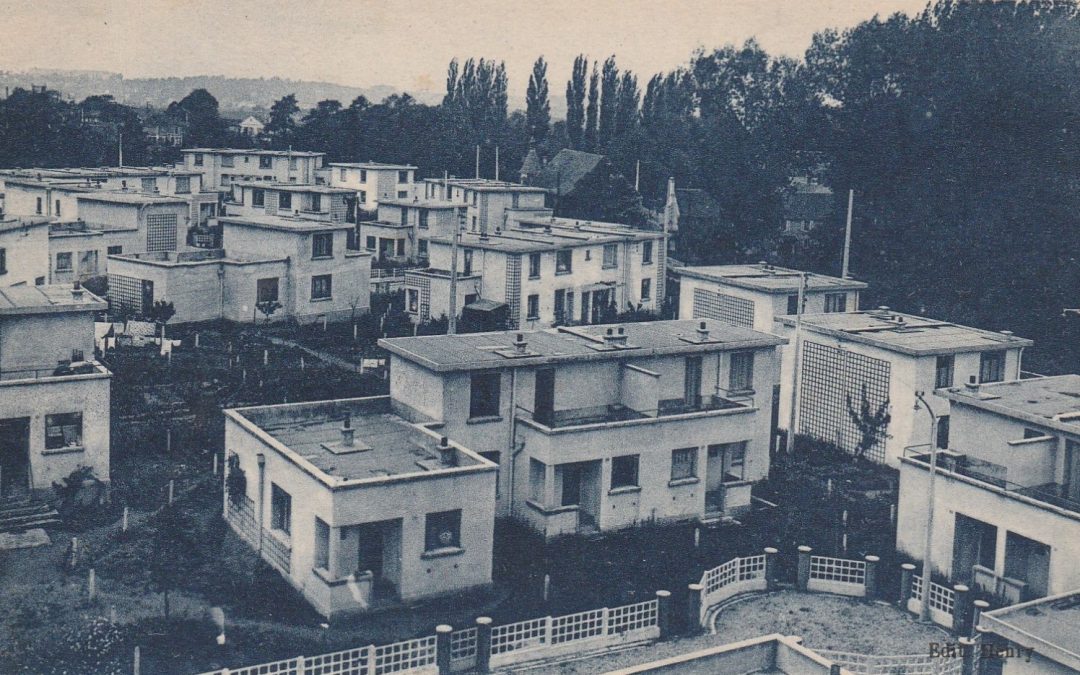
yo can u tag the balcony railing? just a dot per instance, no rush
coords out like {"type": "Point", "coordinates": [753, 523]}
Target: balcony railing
{"type": "Point", "coordinates": [993, 475]}
{"type": "Point", "coordinates": [63, 370]}
{"type": "Point", "coordinates": [616, 412]}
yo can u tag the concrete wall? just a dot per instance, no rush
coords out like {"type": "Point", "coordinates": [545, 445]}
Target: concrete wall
{"type": "Point", "coordinates": [42, 340]}
{"type": "Point", "coordinates": [27, 254]}
{"type": "Point", "coordinates": [78, 245]}
{"type": "Point", "coordinates": [767, 306]}
{"type": "Point", "coordinates": [247, 165]}
{"type": "Point", "coordinates": [34, 399]}
{"type": "Point", "coordinates": [993, 438]}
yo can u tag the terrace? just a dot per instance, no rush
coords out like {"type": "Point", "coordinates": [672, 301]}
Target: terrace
{"type": "Point", "coordinates": [618, 412]}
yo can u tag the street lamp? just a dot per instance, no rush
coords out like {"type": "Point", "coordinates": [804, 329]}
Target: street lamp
{"type": "Point", "coordinates": [924, 611]}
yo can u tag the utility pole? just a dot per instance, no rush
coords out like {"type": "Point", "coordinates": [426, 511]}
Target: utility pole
{"type": "Point", "coordinates": [924, 611]}
{"type": "Point", "coordinates": [496, 163]}
{"type": "Point", "coordinates": [847, 234]}
{"type": "Point", "coordinates": [121, 157]}
{"type": "Point", "coordinates": [451, 320]}
{"type": "Point", "coordinates": [637, 176]}
{"type": "Point", "coordinates": [796, 362]}
{"type": "Point", "coordinates": [478, 160]}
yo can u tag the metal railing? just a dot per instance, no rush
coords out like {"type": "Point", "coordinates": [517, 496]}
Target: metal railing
{"type": "Point", "coordinates": [617, 412]}
{"type": "Point", "coordinates": [910, 664]}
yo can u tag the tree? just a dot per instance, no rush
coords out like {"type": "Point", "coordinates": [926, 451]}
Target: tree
{"type": "Point", "coordinates": [537, 105]}
{"type": "Point", "coordinates": [267, 308]}
{"type": "Point", "coordinates": [175, 551]}
{"type": "Point", "coordinates": [575, 102]}
{"type": "Point", "coordinates": [589, 139]}
{"type": "Point", "coordinates": [609, 103]}
{"type": "Point", "coordinates": [282, 124]}
{"type": "Point", "coordinates": [160, 313]}
{"type": "Point", "coordinates": [872, 422]}
{"type": "Point", "coordinates": [199, 110]}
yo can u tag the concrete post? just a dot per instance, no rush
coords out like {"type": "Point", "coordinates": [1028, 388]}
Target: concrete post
{"type": "Point", "coordinates": [91, 584]}
{"type": "Point", "coordinates": [770, 568]}
{"type": "Point", "coordinates": [834, 669]}
{"type": "Point", "coordinates": [663, 613]}
{"type": "Point", "coordinates": [870, 581]}
{"type": "Point", "coordinates": [693, 608]}
{"type": "Point", "coordinates": [442, 647]}
{"type": "Point", "coordinates": [137, 662]}
{"type": "Point", "coordinates": [803, 577]}
{"type": "Point", "coordinates": [961, 610]}
{"type": "Point", "coordinates": [969, 653]}
{"type": "Point", "coordinates": [907, 572]}
{"type": "Point", "coordinates": [483, 644]}
{"type": "Point", "coordinates": [977, 608]}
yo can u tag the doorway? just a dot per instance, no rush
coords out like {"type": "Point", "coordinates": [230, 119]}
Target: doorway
{"type": "Point", "coordinates": [544, 396]}
{"type": "Point", "coordinates": [378, 551]}
{"type": "Point", "coordinates": [581, 488]}
{"type": "Point", "coordinates": [14, 456]}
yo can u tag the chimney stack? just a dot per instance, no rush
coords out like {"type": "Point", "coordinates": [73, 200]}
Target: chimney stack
{"type": "Point", "coordinates": [348, 434]}
{"type": "Point", "coordinates": [76, 291]}
{"type": "Point", "coordinates": [446, 452]}
{"type": "Point", "coordinates": [972, 384]}
{"type": "Point", "coordinates": [615, 336]}
{"type": "Point", "coordinates": [520, 345]}
{"type": "Point", "coordinates": [703, 331]}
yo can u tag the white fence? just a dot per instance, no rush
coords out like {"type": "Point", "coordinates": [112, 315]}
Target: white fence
{"type": "Point", "coordinates": [913, 664]}
{"type": "Point", "coordinates": [837, 575]}
{"type": "Point", "coordinates": [942, 601]}
{"type": "Point", "coordinates": [738, 575]}
{"type": "Point", "coordinates": [410, 656]}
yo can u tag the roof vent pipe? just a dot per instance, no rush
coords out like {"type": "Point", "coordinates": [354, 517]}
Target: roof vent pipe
{"type": "Point", "coordinates": [348, 434]}
{"type": "Point", "coordinates": [520, 344]}
{"type": "Point", "coordinates": [446, 452]}
{"type": "Point", "coordinates": [703, 331]}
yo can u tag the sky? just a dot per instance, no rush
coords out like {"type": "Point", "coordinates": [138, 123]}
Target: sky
{"type": "Point", "coordinates": [403, 44]}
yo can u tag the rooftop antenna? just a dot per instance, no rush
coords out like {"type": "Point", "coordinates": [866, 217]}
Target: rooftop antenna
{"type": "Point", "coordinates": [445, 185]}
{"type": "Point", "coordinates": [847, 234]}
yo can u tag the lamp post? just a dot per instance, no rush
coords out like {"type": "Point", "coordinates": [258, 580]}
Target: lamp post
{"type": "Point", "coordinates": [924, 611]}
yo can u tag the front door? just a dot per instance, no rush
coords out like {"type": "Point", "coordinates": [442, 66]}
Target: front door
{"type": "Point", "coordinates": [692, 381]}
{"type": "Point", "coordinates": [544, 396]}
{"type": "Point", "coordinates": [714, 480]}
{"type": "Point", "coordinates": [370, 552]}
{"type": "Point", "coordinates": [14, 456]}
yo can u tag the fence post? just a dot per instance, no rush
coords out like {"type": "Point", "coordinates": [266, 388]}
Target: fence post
{"type": "Point", "coordinates": [91, 584]}
{"type": "Point", "coordinates": [371, 667]}
{"type": "Point", "coordinates": [968, 649]}
{"type": "Point", "coordinates": [442, 647]}
{"type": "Point", "coordinates": [137, 661]}
{"type": "Point", "coordinates": [834, 669]}
{"type": "Point", "coordinates": [907, 573]}
{"type": "Point", "coordinates": [605, 619]}
{"type": "Point", "coordinates": [870, 582]}
{"type": "Point", "coordinates": [663, 613]}
{"type": "Point", "coordinates": [483, 644]}
{"type": "Point", "coordinates": [961, 610]}
{"type": "Point", "coordinates": [770, 568]}
{"type": "Point", "coordinates": [693, 608]}
{"type": "Point", "coordinates": [977, 608]}
{"type": "Point", "coordinates": [300, 664]}
{"type": "Point", "coordinates": [803, 577]}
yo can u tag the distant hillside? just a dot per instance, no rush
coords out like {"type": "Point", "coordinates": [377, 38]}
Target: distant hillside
{"type": "Point", "coordinates": [232, 93]}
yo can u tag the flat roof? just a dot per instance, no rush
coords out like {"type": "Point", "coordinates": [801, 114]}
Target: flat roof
{"type": "Point", "coordinates": [905, 333]}
{"type": "Point", "coordinates": [486, 185]}
{"type": "Point", "coordinates": [473, 351]}
{"type": "Point", "coordinates": [241, 151]}
{"type": "Point", "coordinates": [140, 198]}
{"type": "Point", "coordinates": [419, 201]}
{"type": "Point", "coordinates": [372, 165]}
{"type": "Point", "coordinates": [572, 227]}
{"type": "Point", "coordinates": [15, 223]}
{"type": "Point", "coordinates": [1050, 626]}
{"type": "Point", "coordinates": [285, 223]}
{"type": "Point", "coordinates": [768, 278]}
{"type": "Point", "coordinates": [101, 172]}
{"type": "Point", "coordinates": [48, 299]}
{"type": "Point", "coordinates": [200, 257]}
{"type": "Point", "coordinates": [385, 444]}
{"type": "Point", "coordinates": [294, 187]}
{"type": "Point", "coordinates": [515, 240]}
{"type": "Point", "coordinates": [1048, 401]}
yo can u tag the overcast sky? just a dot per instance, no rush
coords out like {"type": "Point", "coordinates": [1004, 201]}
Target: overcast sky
{"type": "Point", "coordinates": [403, 44]}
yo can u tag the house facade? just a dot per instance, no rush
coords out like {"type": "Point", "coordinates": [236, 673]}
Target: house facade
{"type": "Point", "coordinates": [403, 228]}
{"type": "Point", "coordinates": [876, 360]}
{"type": "Point", "coordinates": [601, 427]}
{"type": "Point", "coordinates": [487, 201]}
{"type": "Point", "coordinates": [752, 296]}
{"type": "Point", "coordinates": [54, 397]}
{"type": "Point", "coordinates": [220, 167]}
{"type": "Point", "coordinates": [356, 506]}
{"type": "Point", "coordinates": [24, 251]}
{"type": "Point", "coordinates": [1007, 497]}
{"type": "Point", "coordinates": [312, 202]}
{"type": "Point", "coordinates": [372, 182]}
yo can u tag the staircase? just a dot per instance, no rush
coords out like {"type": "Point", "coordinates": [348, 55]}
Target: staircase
{"type": "Point", "coordinates": [20, 513]}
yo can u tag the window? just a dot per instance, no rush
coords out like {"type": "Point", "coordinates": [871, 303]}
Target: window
{"type": "Point", "coordinates": [320, 287]}
{"type": "Point", "coordinates": [401, 247]}
{"type": "Point", "coordinates": [265, 162]}
{"type": "Point", "coordinates": [423, 219]}
{"type": "Point", "coordinates": [363, 177]}
{"type": "Point", "coordinates": [316, 202]}
{"type": "Point", "coordinates": [414, 299]}
{"type": "Point", "coordinates": [564, 261]}
{"type": "Point", "coordinates": [403, 176]}
{"type": "Point", "coordinates": [991, 366]}
{"type": "Point", "coordinates": [227, 160]}
{"type": "Point", "coordinates": [361, 197]}
{"type": "Point", "coordinates": [63, 431]}
{"type": "Point", "coordinates": [284, 200]}
{"type": "Point", "coordinates": [683, 463]}
{"type": "Point", "coordinates": [342, 173]}
{"type": "Point", "coordinates": [646, 253]}
{"type": "Point", "coordinates": [57, 212]}
{"type": "Point", "coordinates": [442, 530]}
{"type": "Point", "coordinates": [183, 185]}
{"type": "Point", "coordinates": [533, 307]}
{"type": "Point", "coordinates": [369, 243]}
{"type": "Point", "coordinates": [38, 209]}
{"type": "Point", "coordinates": [836, 302]}
{"type": "Point", "coordinates": [39, 281]}
{"type": "Point", "coordinates": [266, 290]}
{"type": "Point", "coordinates": [534, 265]}
{"type": "Point", "coordinates": [280, 509]}
{"type": "Point", "coordinates": [537, 480]}
{"type": "Point", "coordinates": [403, 194]}
{"type": "Point", "coordinates": [148, 184]}
{"type": "Point", "coordinates": [944, 376]}
{"type": "Point", "coordinates": [292, 162]}
{"type": "Point", "coordinates": [63, 262]}
{"type": "Point", "coordinates": [258, 197]}
{"type": "Point", "coordinates": [741, 377]}
{"type": "Point", "coordinates": [421, 248]}
{"type": "Point", "coordinates": [624, 471]}
{"type": "Point", "coordinates": [467, 254]}
{"type": "Point", "coordinates": [474, 223]}
{"type": "Point", "coordinates": [793, 304]}
{"type": "Point", "coordinates": [560, 306]}
{"type": "Point", "coordinates": [322, 545]}
{"type": "Point", "coordinates": [611, 255]}
{"type": "Point", "coordinates": [484, 395]}
{"type": "Point", "coordinates": [198, 160]}
{"type": "Point", "coordinates": [3, 261]}
{"type": "Point", "coordinates": [943, 432]}
{"type": "Point", "coordinates": [646, 290]}
{"type": "Point", "coordinates": [322, 245]}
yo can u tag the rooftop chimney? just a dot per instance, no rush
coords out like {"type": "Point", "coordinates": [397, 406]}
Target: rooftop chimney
{"type": "Point", "coordinates": [348, 434]}
{"type": "Point", "coordinates": [972, 383]}
{"type": "Point", "coordinates": [1008, 333]}
{"type": "Point", "coordinates": [615, 336]}
{"type": "Point", "coordinates": [76, 291]}
{"type": "Point", "coordinates": [520, 344]}
{"type": "Point", "coordinates": [703, 331]}
{"type": "Point", "coordinates": [763, 264]}
{"type": "Point", "coordinates": [446, 452]}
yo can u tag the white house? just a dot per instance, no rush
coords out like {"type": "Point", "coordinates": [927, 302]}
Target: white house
{"type": "Point", "coordinates": [251, 126]}
{"type": "Point", "coordinates": [601, 427]}
{"type": "Point", "coordinates": [1007, 495]}
{"type": "Point", "coordinates": [219, 167]}
{"type": "Point", "coordinates": [24, 250]}
{"type": "Point", "coordinates": [372, 182]}
{"type": "Point", "coordinates": [884, 357]}
{"type": "Point", "coordinates": [487, 201]}
{"type": "Point", "coordinates": [1040, 635]}
{"type": "Point", "coordinates": [312, 202]}
{"type": "Point", "coordinates": [356, 506]}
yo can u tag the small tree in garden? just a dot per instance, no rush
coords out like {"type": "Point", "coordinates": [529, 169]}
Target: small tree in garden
{"type": "Point", "coordinates": [872, 423]}
{"type": "Point", "coordinates": [160, 313]}
{"type": "Point", "coordinates": [267, 308]}
{"type": "Point", "coordinates": [174, 551]}
{"type": "Point", "coordinates": [236, 484]}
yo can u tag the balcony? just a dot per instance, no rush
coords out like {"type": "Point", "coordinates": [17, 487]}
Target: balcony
{"type": "Point", "coordinates": [993, 476]}
{"type": "Point", "coordinates": [617, 412]}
